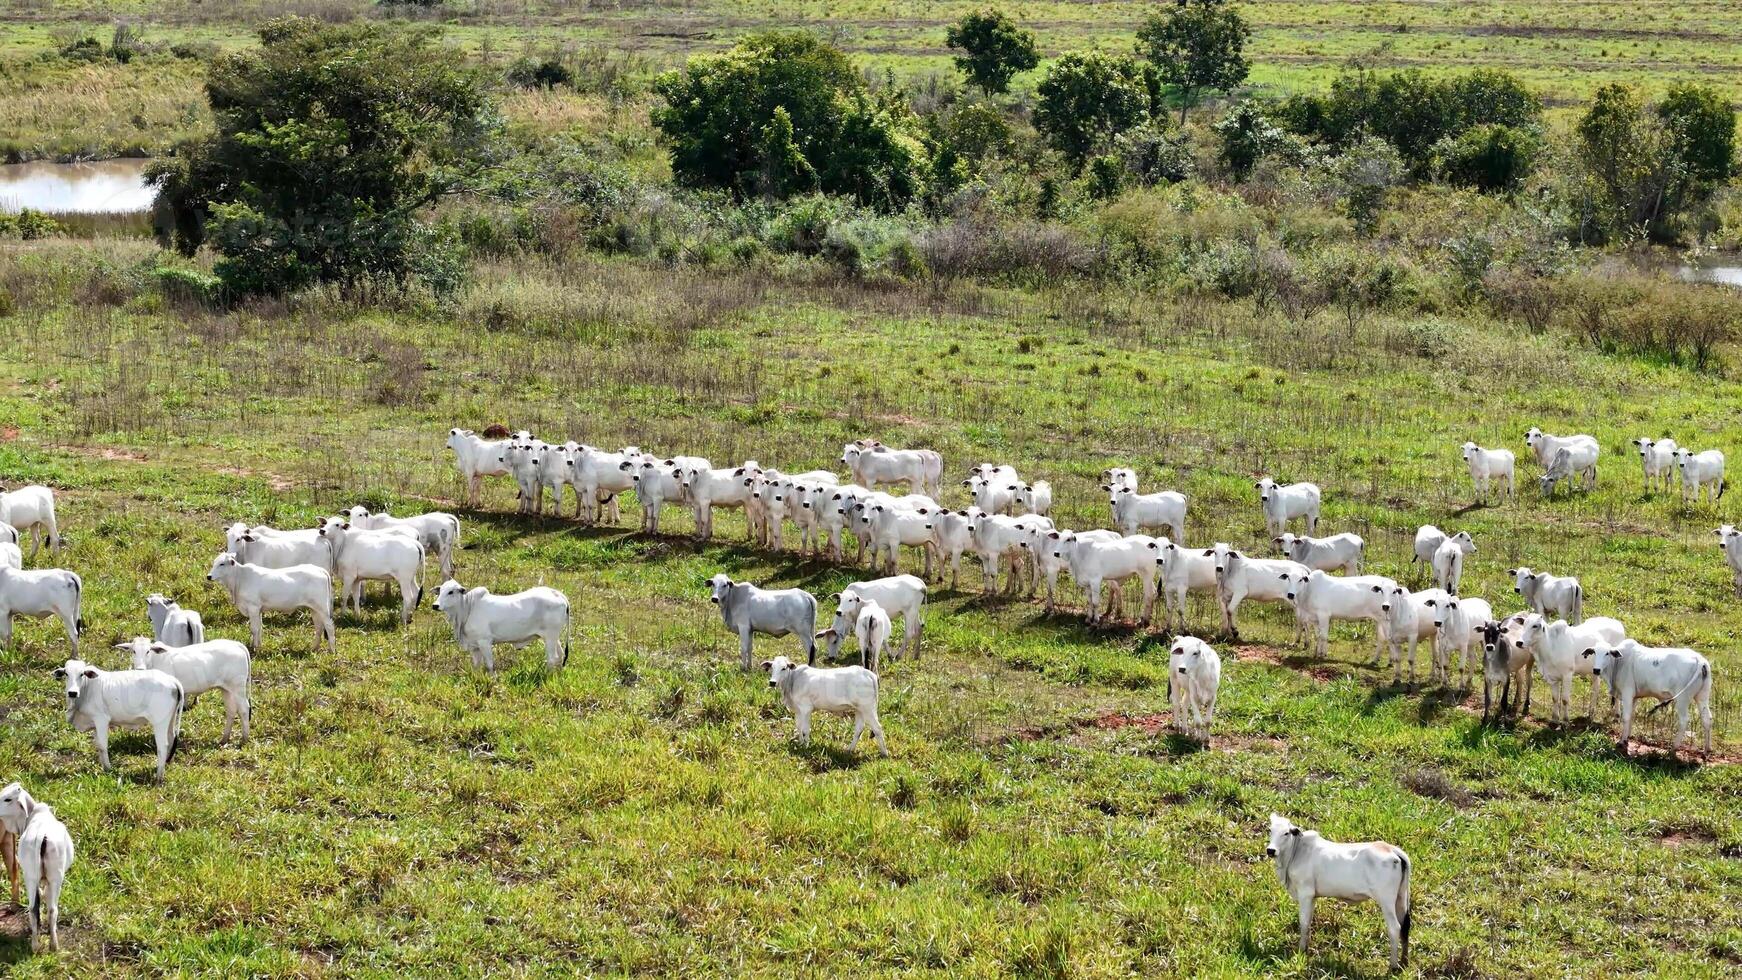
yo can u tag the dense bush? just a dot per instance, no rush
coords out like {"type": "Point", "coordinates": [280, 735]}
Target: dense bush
{"type": "Point", "coordinates": [1652, 170]}
{"type": "Point", "coordinates": [1490, 157]}
{"type": "Point", "coordinates": [1087, 100]}
{"type": "Point", "coordinates": [994, 50]}
{"type": "Point", "coordinates": [1409, 110]}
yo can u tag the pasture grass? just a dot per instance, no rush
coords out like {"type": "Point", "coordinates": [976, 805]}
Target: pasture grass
{"type": "Point", "coordinates": [644, 810]}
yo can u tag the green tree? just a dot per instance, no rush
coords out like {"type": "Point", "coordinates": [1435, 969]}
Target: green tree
{"type": "Point", "coordinates": [1632, 158]}
{"type": "Point", "coordinates": [1247, 136]}
{"type": "Point", "coordinates": [1702, 125]}
{"type": "Point", "coordinates": [993, 49]}
{"type": "Point", "coordinates": [1490, 157]}
{"type": "Point", "coordinates": [1197, 45]}
{"type": "Point", "coordinates": [785, 171]}
{"type": "Point", "coordinates": [718, 111]}
{"type": "Point", "coordinates": [329, 141]}
{"type": "Point", "coordinates": [1410, 110]}
{"type": "Point", "coordinates": [1087, 100]}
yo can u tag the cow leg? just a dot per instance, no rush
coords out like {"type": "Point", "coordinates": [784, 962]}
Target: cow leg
{"type": "Point", "coordinates": [254, 617]}
{"type": "Point", "coordinates": [803, 721]}
{"type": "Point", "coordinates": [100, 736]}
{"type": "Point", "coordinates": [1306, 922]}
{"type": "Point", "coordinates": [858, 728]}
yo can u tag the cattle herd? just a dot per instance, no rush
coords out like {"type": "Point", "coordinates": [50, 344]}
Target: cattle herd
{"type": "Point", "coordinates": [1006, 527]}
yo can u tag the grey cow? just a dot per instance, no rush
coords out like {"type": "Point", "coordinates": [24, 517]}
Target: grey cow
{"type": "Point", "coordinates": [746, 610]}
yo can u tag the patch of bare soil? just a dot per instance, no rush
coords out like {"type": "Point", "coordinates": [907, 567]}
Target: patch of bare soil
{"type": "Point", "coordinates": [1152, 724]}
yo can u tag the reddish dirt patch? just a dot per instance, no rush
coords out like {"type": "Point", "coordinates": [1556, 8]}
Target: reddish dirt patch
{"type": "Point", "coordinates": [273, 480]}
{"type": "Point", "coordinates": [1638, 750]}
{"type": "Point", "coordinates": [8, 433]}
{"type": "Point", "coordinates": [1153, 724]}
{"type": "Point", "coordinates": [13, 924]}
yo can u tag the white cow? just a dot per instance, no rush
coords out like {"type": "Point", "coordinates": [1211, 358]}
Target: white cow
{"type": "Point", "coordinates": [476, 458]}
{"type": "Point", "coordinates": [1448, 561]}
{"type": "Point", "coordinates": [953, 534]}
{"type": "Point", "coordinates": [655, 484]}
{"type": "Point", "coordinates": [1284, 503]}
{"type": "Point", "coordinates": [746, 610]}
{"type": "Point", "coordinates": [1730, 541]}
{"type": "Point", "coordinates": [1701, 471]}
{"type": "Point", "coordinates": [994, 473]}
{"type": "Point", "coordinates": [31, 509]}
{"type": "Point", "coordinates": [98, 700]}
{"type": "Point", "coordinates": [1458, 629]}
{"type": "Point", "coordinates": [1412, 617]}
{"type": "Point", "coordinates": [870, 627]}
{"type": "Point", "coordinates": [1134, 512]}
{"type": "Point", "coordinates": [708, 489]}
{"type": "Point", "coordinates": [1311, 868]}
{"type": "Point", "coordinates": [1035, 498]}
{"type": "Point", "coordinates": [481, 620]}
{"type": "Point", "coordinates": [271, 547]}
{"type": "Point", "coordinates": [1184, 570]}
{"type": "Point", "coordinates": [1194, 676]}
{"type": "Point", "coordinates": [1428, 539]}
{"type": "Point", "coordinates": [992, 497]}
{"type": "Point", "coordinates": [46, 855]}
{"type": "Point", "coordinates": [1118, 476]}
{"type": "Point", "coordinates": [215, 665]}
{"type": "Point", "coordinates": [1545, 593]}
{"type": "Point", "coordinates": [524, 460]}
{"type": "Point", "coordinates": [833, 691]}
{"type": "Point", "coordinates": [10, 555]}
{"type": "Point", "coordinates": [439, 531]}
{"type": "Point", "coordinates": [1239, 578]}
{"type": "Point", "coordinates": [372, 556]}
{"type": "Point", "coordinates": [37, 593]}
{"type": "Point", "coordinates": [1582, 453]}
{"type": "Point", "coordinates": [1491, 465]}
{"type": "Point", "coordinates": [1505, 659]}
{"type": "Point", "coordinates": [1657, 460]}
{"type": "Point", "coordinates": [1671, 674]}
{"type": "Point", "coordinates": [1093, 561]}
{"type": "Point", "coordinates": [1320, 598]}
{"type": "Point", "coordinates": [255, 590]}
{"type": "Point", "coordinates": [600, 479]}
{"type": "Point", "coordinates": [889, 527]}
{"type": "Point", "coordinates": [1050, 549]}
{"type": "Point", "coordinates": [1569, 461]}
{"type": "Point", "coordinates": [898, 595]}
{"type": "Point", "coordinates": [1344, 551]}
{"type": "Point", "coordinates": [1558, 649]}
{"type": "Point", "coordinates": [556, 470]}
{"type": "Point", "coordinates": [1000, 536]}
{"type": "Point", "coordinates": [874, 464]}
{"type": "Point", "coordinates": [172, 625]}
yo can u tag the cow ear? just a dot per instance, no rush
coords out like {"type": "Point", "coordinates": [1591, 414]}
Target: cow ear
{"type": "Point", "coordinates": [767, 664]}
{"type": "Point", "coordinates": [1294, 831]}
{"type": "Point", "coordinates": [60, 673]}
{"type": "Point", "coordinates": [1209, 553]}
{"type": "Point", "coordinates": [922, 510]}
{"type": "Point", "coordinates": [90, 673]}
{"type": "Point", "coordinates": [249, 538]}
{"type": "Point", "coordinates": [1376, 588]}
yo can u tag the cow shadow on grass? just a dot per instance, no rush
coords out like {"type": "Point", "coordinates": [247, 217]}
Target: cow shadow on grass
{"type": "Point", "coordinates": [825, 756]}
{"type": "Point", "coordinates": [1274, 952]}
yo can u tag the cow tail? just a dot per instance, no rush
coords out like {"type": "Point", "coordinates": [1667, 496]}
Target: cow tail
{"type": "Point", "coordinates": [1702, 677]}
{"type": "Point", "coordinates": [1404, 908]}
{"type": "Point", "coordinates": [1722, 483]}
{"type": "Point", "coordinates": [1579, 602]}
{"type": "Point", "coordinates": [79, 595]}
{"type": "Point", "coordinates": [175, 726]}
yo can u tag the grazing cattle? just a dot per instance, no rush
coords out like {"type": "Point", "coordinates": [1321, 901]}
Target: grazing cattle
{"type": "Point", "coordinates": [1411, 617]}
{"type": "Point", "coordinates": [599, 479]}
{"type": "Point", "coordinates": [1558, 650]}
{"type": "Point", "coordinates": [1320, 598]}
{"type": "Point", "coordinates": [172, 625]}
{"type": "Point", "coordinates": [1567, 462]}
{"type": "Point", "coordinates": [39, 593]}
{"type": "Point", "coordinates": [655, 484]}
{"type": "Point", "coordinates": [481, 620]}
{"type": "Point", "coordinates": [898, 595]}
{"type": "Point", "coordinates": [1035, 498]}
{"type": "Point", "coordinates": [41, 853]}
{"type": "Point", "coordinates": [889, 527]}
{"type": "Point", "coordinates": [1545, 593]}
{"type": "Point", "coordinates": [524, 460]}
{"type": "Point", "coordinates": [1491, 465]}
{"type": "Point", "coordinates": [1657, 457]}
{"type": "Point", "coordinates": [1427, 541]}
{"type": "Point", "coordinates": [870, 627]}
{"type": "Point", "coordinates": [999, 536]}
{"type": "Point", "coordinates": [1194, 675]}
{"type": "Point", "coordinates": [1184, 570]}
{"type": "Point", "coordinates": [214, 665]}
{"type": "Point", "coordinates": [476, 458]}
{"type": "Point", "coordinates": [1458, 629]}
{"type": "Point", "coordinates": [833, 691]}
{"type": "Point", "coordinates": [1135, 512]}
{"type": "Point", "coordinates": [1448, 561]}
{"type": "Point", "coordinates": [992, 497]}
{"type": "Point", "coordinates": [1094, 560]}
{"type": "Point", "coordinates": [1344, 551]}
{"type": "Point", "coordinates": [1505, 658]}
{"type": "Point", "coordinates": [1582, 452]}
{"type": "Point", "coordinates": [1118, 476]}
{"type": "Point", "coordinates": [255, 591]}
{"type": "Point", "coordinates": [952, 535]}
{"type": "Point", "coordinates": [1311, 868]}
{"type": "Point", "coordinates": [270, 547]}
{"type": "Point", "coordinates": [555, 471]}
{"type": "Point", "coordinates": [874, 464]}
{"type": "Point", "coordinates": [747, 610]}
{"type": "Point", "coordinates": [1239, 578]}
{"type": "Point", "coordinates": [373, 556]}
{"type": "Point", "coordinates": [1730, 540]}
{"type": "Point", "coordinates": [438, 531]}
{"type": "Point", "coordinates": [1282, 504]}
{"type": "Point", "coordinates": [31, 509]}
{"type": "Point", "coordinates": [98, 700]}
{"type": "Point", "coordinates": [1673, 675]}
{"type": "Point", "coordinates": [1050, 549]}
{"type": "Point", "coordinates": [711, 488]}
{"type": "Point", "coordinates": [1701, 471]}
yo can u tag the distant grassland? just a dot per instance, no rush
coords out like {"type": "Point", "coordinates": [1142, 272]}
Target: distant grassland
{"type": "Point", "coordinates": [1565, 50]}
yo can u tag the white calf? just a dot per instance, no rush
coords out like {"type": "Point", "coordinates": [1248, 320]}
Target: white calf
{"type": "Point", "coordinates": [1427, 541]}
{"type": "Point", "coordinates": [270, 547]}
{"type": "Point", "coordinates": [524, 460]}
{"type": "Point", "coordinates": [1240, 578]}
{"type": "Point", "coordinates": [255, 591]}
{"type": "Point", "coordinates": [1184, 570]}
{"type": "Point", "coordinates": [600, 479]}
{"type": "Point", "coordinates": [1311, 868]}
{"type": "Point", "coordinates": [1505, 659]}
{"type": "Point", "coordinates": [1114, 478]}
{"type": "Point", "coordinates": [1491, 465]}
{"type": "Point", "coordinates": [476, 458]}
{"type": "Point", "coordinates": [1569, 461]}
{"type": "Point", "coordinates": [1558, 650]}
{"type": "Point", "coordinates": [953, 534]}
{"type": "Point", "coordinates": [217, 665]}
{"type": "Point", "coordinates": [1343, 551]}
{"type": "Point", "coordinates": [877, 465]}
{"type": "Point", "coordinates": [999, 536]}
{"type": "Point", "coordinates": [481, 620]}
{"type": "Point", "coordinates": [1035, 498]}
{"type": "Point", "coordinates": [98, 700]}
{"type": "Point", "coordinates": [1671, 674]}
{"type": "Point", "coordinates": [1448, 561]}
{"type": "Point", "coordinates": [746, 610]}
{"type": "Point", "coordinates": [172, 625]}
{"type": "Point", "coordinates": [1459, 628]}
{"type": "Point", "coordinates": [898, 595]}
{"type": "Point", "coordinates": [1134, 512]}
{"type": "Point", "coordinates": [1093, 560]}
{"type": "Point", "coordinates": [1411, 617]}
{"type": "Point", "coordinates": [31, 509]}
{"type": "Point", "coordinates": [37, 593]}
{"type": "Point", "coordinates": [871, 628]}
{"type": "Point", "coordinates": [833, 691]}
{"type": "Point", "coordinates": [992, 497]}
{"type": "Point", "coordinates": [439, 531]}
{"type": "Point", "coordinates": [1545, 593]}
{"type": "Point", "coordinates": [1701, 471]}
{"type": "Point", "coordinates": [1582, 452]}
{"type": "Point", "coordinates": [889, 527]}
{"type": "Point", "coordinates": [711, 488]}
{"type": "Point", "coordinates": [373, 556]}
{"type": "Point", "coordinates": [654, 485]}
{"type": "Point", "coordinates": [1730, 541]}
{"type": "Point", "coordinates": [1194, 675]}
{"type": "Point", "coordinates": [1320, 598]}
{"type": "Point", "coordinates": [1282, 504]}
{"type": "Point", "coordinates": [47, 855]}
{"type": "Point", "coordinates": [1050, 549]}
{"type": "Point", "coordinates": [1657, 460]}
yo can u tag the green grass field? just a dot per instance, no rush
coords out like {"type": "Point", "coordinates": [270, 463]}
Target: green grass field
{"type": "Point", "coordinates": [644, 810]}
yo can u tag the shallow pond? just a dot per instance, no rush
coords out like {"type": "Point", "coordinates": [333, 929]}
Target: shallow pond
{"type": "Point", "coordinates": [75, 188]}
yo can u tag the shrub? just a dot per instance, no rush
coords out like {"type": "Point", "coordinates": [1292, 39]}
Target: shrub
{"type": "Point", "coordinates": [1248, 136]}
{"type": "Point", "coordinates": [1088, 99]}
{"type": "Point", "coordinates": [190, 286]}
{"type": "Point", "coordinates": [1490, 157]}
{"type": "Point", "coordinates": [993, 49]}
{"type": "Point", "coordinates": [29, 225]}
{"type": "Point", "coordinates": [1410, 110]}
{"type": "Point", "coordinates": [1153, 154]}
{"type": "Point", "coordinates": [545, 73]}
